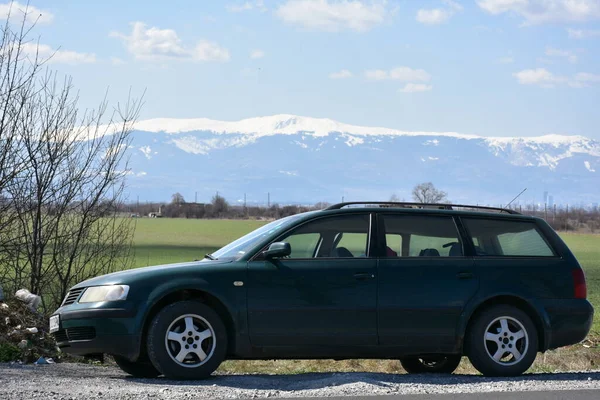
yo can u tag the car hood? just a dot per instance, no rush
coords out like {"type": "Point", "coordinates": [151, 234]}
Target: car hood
{"type": "Point", "coordinates": [139, 274]}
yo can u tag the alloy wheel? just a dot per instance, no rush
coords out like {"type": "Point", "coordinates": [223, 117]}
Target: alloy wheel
{"type": "Point", "coordinates": [190, 340]}
{"type": "Point", "coordinates": [506, 340]}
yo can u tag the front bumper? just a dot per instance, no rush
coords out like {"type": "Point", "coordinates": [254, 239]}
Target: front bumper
{"type": "Point", "coordinates": [570, 321]}
{"type": "Point", "coordinates": [86, 331]}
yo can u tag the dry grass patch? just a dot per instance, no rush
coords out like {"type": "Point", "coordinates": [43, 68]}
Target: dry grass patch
{"type": "Point", "coordinates": [579, 357]}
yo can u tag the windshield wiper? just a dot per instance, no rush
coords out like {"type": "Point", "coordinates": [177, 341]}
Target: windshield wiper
{"type": "Point", "coordinates": [210, 257]}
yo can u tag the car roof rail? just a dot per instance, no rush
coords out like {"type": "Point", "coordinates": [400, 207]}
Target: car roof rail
{"type": "Point", "coordinates": [439, 206]}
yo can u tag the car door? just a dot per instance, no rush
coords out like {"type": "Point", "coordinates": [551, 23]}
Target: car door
{"type": "Point", "coordinates": [323, 294]}
{"type": "Point", "coordinates": [424, 281]}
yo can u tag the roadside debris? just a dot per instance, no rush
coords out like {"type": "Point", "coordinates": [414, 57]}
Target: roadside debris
{"type": "Point", "coordinates": [32, 300]}
{"type": "Point", "coordinates": [44, 361]}
{"type": "Point", "coordinates": [24, 333]}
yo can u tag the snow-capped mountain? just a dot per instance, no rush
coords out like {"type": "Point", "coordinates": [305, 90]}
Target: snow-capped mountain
{"type": "Point", "coordinates": [301, 159]}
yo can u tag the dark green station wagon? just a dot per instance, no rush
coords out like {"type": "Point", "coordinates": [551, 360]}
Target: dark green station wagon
{"type": "Point", "coordinates": [421, 283]}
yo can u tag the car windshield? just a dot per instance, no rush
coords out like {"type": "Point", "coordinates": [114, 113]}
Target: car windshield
{"type": "Point", "coordinates": [238, 248]}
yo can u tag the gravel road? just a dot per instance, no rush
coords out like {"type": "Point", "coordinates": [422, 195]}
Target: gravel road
{"type": "Point", "coordinates": [78, 381]}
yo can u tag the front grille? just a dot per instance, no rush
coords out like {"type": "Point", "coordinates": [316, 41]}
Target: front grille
{"type": "Point", "coordinates": [61, 336]}
{"type": "Point", "coordinates": [76, 333]}
{"type": "Point", "coordinates": [81, 333]}
{"type": "Point", "coordinates": [72, 296]}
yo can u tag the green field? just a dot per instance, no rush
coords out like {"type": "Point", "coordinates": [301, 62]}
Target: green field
{"type": "Point", "coordinates": [163, 241]}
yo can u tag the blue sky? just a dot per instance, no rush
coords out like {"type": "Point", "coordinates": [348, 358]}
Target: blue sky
{"type": "Point", "coordinates": [486, 67]}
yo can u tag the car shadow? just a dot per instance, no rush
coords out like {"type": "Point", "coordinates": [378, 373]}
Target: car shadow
{"type": "Point", "coordinates": [308, 381]}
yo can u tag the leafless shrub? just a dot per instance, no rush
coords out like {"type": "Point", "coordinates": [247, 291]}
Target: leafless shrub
{"type": "Point", "coordinates": [62, 175]}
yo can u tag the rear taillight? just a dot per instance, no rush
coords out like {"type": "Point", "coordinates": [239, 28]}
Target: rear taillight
{"type": "Point", "coordinates": [579, 285]}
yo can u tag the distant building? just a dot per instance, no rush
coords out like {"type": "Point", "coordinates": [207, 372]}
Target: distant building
{"type": "Point", "coordinates": [550, 201]}
{"type": "Point", "coordinates": [155, 214]}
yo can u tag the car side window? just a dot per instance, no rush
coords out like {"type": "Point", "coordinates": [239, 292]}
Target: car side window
{"type": "Point", "coordinates": [421, 236]}
{"type": "Point", "coordinates": [304, 245]}
{"type": "Point", "coordinates": [393, 244]}
{"type": "Point", "coordinates": [507, 238]}
{"type": "Point", "coordinates": [341, 236]}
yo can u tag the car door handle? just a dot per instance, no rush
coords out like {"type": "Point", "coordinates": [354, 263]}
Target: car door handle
{"type": "Point", "coordinates": [363, 276]}
{"type": "Point", "coordinates": [465, 275]}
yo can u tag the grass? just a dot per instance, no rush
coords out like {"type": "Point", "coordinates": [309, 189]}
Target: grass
{"type": "Point", "coordinates": [163, 241]}
{"type": "Point", "coordinates": [587, 250]}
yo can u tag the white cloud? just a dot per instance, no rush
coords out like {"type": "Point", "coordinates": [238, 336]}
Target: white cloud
{"type": "Point", "coordinates": [17, 10]}
{"type": "Point", "coordinates": [543, 11]}
{"type": "Point", "coordinates": [433, 17]}
{"type": "Point", "coordinates": [247, 6]}
{"type": "Point", "coordinates": [569, 55]}
{"type": "Point", "coordinates": [333, 15]}
{"type": "Point", "coordinates": [583, 33]}
{"type": "Point", "coordinates": [56, 56]}
{"type": "Point", "coordinates": [402, 74]}
{"type": "Point", "coordinates": [343, 74]}
{"type": "Point", "coordinates": [210, 51]}
{"type": "Point", "coordinates": [415, 88]}
{"type": "Point", "coordinates": [539, 76]}
{"type": "Point", "coordinates": [543, 78]}
{"type": "Point", "coordinates": [256, 54]}
{"type": "Point", "coordinates": [438, 15]}
{"type": "Point", "coordinates": [156, 44]}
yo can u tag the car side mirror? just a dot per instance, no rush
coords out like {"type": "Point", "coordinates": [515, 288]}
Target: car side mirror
{"type": "Point", "coordinates": [278, 250]}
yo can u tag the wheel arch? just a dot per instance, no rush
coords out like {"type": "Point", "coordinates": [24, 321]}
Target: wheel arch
{"type": "Point", "coordinates": [182, 294]}
{"type": "Point", "coordinates": [536, 313]}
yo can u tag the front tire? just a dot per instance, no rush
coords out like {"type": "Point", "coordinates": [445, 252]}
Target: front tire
{"type": "Point", "coordinates": [439, 364]}
{"type": "Point", "coordinates": [138, 369]}
{"type": "Point", "coordinates": [502, 341]}
{"type": "Point", "coordinates": [187, 340]}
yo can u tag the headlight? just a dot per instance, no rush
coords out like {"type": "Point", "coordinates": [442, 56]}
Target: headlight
{"type": "Point", "coordinates": [104, 293]}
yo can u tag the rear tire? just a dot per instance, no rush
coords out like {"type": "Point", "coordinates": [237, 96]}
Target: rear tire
{"type": "Point", "coordinates": [138, 369]}
{"type": "Point", "coordinates": [502, 341]}
{"type": "Point", "coordinates": [440, 364]}
{"type": "Point", "coordinates": [187, 340]}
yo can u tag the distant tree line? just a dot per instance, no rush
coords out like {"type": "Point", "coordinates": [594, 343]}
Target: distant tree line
{"type": "Point", "coordinates": [562, 218]}
{"type": "Point", "coordinates": [219, 207]}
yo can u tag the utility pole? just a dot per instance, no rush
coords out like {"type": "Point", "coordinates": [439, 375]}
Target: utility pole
{"type": "Point", "coordinates": [268, 200]}
{"type": "Point", "coordinates": [196, 197]}
{"type": "Point", "coordinates": [545, 212]}
{"type": "Point", "coordinates": [245, 208]}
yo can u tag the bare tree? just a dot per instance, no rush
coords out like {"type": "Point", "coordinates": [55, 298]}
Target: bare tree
{"type": "Point", "coordinates": [427, 193]}
{"type": "Point", "coordinates": [67, 175]}
{"type": "Point", "coordinates": [177, 198]}
{"type": "Point", "coordinates": [17, 84]}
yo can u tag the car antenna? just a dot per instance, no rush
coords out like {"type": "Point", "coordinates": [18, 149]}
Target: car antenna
{"type": "Point", "coordinates": [516, 197]}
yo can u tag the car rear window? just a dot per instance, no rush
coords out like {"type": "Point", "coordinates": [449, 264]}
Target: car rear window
{"type": "Point", "coordinates": [507, 238]}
